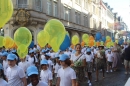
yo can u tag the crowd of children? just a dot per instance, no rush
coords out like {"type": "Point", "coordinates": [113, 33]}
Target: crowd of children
{"type": "Point", "coordinates": [43, 67]}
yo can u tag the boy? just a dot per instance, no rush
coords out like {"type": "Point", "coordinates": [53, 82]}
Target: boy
{"type": "Point", "coordinates": [15, 75]}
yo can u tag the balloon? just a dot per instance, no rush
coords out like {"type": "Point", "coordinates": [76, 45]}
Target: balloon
{"type": "Point", "coordinates": [57, 31]}
{"type": "Point", "coordinates": [8, 42]}
{"type": "Point", "coordinates": [116, 41]}
{"type": "Point", "coordinates": [82, 44]}
{"type": "Point", "coordinates": [91, 43]}
{"type": "Point", "coordinates": [72, 46]}
{"type": "Point", "coordinates": [104, 39]}
{"type": "Point", "coordinates": [98, 36]}
{"type": "Point", "coordinates": [1, 41]}
{"type": "Point", "coordinates": [66, 43]}
{"type": "Point", "coordinates": [43, 38]}
{"type": "Point", "coordinates": [6, 11]}
{"type": "Point", "coordinates": [102, 43]}
{"type": "Point", "coordinates": [75, 40]}
{"type": "Point", "coordinates": [98, 43]}
{"type": "Point", "coordinates": [22, 54]}
{"type": "Point", "coordinates": [91, 38]}
{"type": "Point", "coordinates": [14, 46]}
{"type": "Point", "coordinates": [85, 37]}
{"type": "Point", "coordinates": [108, 39]}
{"type": "Point", "coordinates": [108, 45]}
{"type": "Point", "coordinates": [22, 36]}
{"type": "Point", "coordinates": [113, 39]}
{"type": "Point", "coordinates": [31, 45]}
{"type": "Point", "coordinates": [22, 48]}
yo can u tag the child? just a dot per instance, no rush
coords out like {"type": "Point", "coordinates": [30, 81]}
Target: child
{"type": "Point", "coordinates": [89, 60]}
{"type": "Point", "coordinates": [50, 63]}
{"type": "Point", "coordinates": [43, 54]}
{"type": "Point", "coordinates": [15, 75]}
{"type": "Point", "coordinates": [2, 77]}
{"type": "Point", "coordinates": [46, 74]}
{"type": "Point", "coordinates": [110, 59]}
{"type": "Point", "coordinates": [66, 75]}
{"type": "Point", "coordinates": [5, 61]}
{"type": "Point", "coordinates": [32, 73]}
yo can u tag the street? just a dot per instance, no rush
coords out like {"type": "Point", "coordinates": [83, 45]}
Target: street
{"type": "Point", "coordinates": [117, 78]}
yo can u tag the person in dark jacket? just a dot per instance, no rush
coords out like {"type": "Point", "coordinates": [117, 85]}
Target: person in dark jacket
{"type": "Point", "coordinates": [127, 59]}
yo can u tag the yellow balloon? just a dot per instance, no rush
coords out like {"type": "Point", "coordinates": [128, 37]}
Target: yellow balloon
{"type": "Point", "coordinates": [75, 39]}
{"type": "Point", "coordinates": [56, 30]}
{"type": "Point", "coordinates": [43, 38]}
{"type": "Point", "coordinates": [8, 42]}
{"type": "Point", "coordinates": [108, 45]}
{"type": "Point", "coordinates": [102, 43]}
{"type": "Point", "coordinates": [116, 41]}
{"type": "Point", "coordinates": [6, 11]}
{"type": "Point", "coordinates": [1, 41]}
{"type": "Point", "coordinates": [22, 36]}
{"type": "Point", "coordinates": [85, 37]}
{"type": "Point", "coordinates": [54, 45]}
{"type": "Point", "coordinates": [22, 54]}
{"type": "Point", "coordinates": [22, 48]}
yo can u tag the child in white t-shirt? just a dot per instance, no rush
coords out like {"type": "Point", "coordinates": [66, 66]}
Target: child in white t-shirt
{"type": "Point", "coordinates": [2, 77]}
{"type": "Point", "coordinates": [15, 75]}
{"type": "Point", "coordinates": [66, 75]}
{"type": "Point", "coordinates": [32, 73]}
{"type": "Point", "coordinates": [43, 54]}
{"type": "Point", "coordinates": [46, 74]}
{"type": "Point", "coordinates": [110, 59]}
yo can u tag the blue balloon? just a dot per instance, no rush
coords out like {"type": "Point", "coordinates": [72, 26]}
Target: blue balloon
{"type": "Point", "coordinates": [66, 43]}
{"type": "Point", "coordinates": [98, 36]}
{"type": "Point", "coordinates": [104, 39]}
{"type": "Point", "coordinates": [121, 41]}
{"type": "Point", "coordinates": [31, 45]}
{"type": "Point", "coordinates": [113, 39]}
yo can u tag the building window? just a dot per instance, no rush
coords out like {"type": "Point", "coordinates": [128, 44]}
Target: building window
{"type": "Point", "coordinates": [85, 4]}
{"type": "Point", "coordinates": [38, 5]}
{"type": "Point", "coordinates": [86, 21]}
{"type": "Point", "coordinates": [93, 9]}
{"type": "Point", "coordinates": [77, 17]}
{"type": "Point", "coordinates": [78, 2]}
{"type": "Point", "coordinates": [94, 23]}
{"type": "Point", "coordinates": [22, 3]}
{"type": "Point", "coordinates": [49, 7]}
{"type": "Point", "coordinates": [67, 13]}
{"type": "Point", "coordinates": [55, 9]}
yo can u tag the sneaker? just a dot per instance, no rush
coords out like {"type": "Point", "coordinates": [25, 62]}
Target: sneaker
{"type": "Point", "coordinates": [88, 81]}
{"type": "Point", "coordinates": [111, 71]}
{"type": "Point", "coordinates": [90, 84]}
{"type": "Point", "coordinates": [126, 73]}
{"type": "Point", "coordinates": [107, 71]}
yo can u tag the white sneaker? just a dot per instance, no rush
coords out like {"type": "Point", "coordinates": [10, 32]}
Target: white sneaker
{"type": "Point", "coordinates": [107, 71]}
{"type": "Point", "coordinates": [90, 84]}
{"type": "Point", "coordinates": [88, 81]}
{"type": "Point", "coordinates": [111, 71]}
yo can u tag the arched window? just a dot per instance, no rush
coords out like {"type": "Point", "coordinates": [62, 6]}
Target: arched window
{"type": "Point", "coordinates": [38, 4]}
{"type": "Point", "coordinates": [22, 3]}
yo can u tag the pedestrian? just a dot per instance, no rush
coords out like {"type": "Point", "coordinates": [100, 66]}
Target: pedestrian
{"type": "Point", "coordinates": [89, 65]}
{"type": "Point", "coordinates": [110, 59]}
{"type": "Point", "coordinates": [46, 74]}
{"type": "Point", "coordinates": [66, 75]}
{"type": "Point", "coordinates": [2, 77]}
{"type": "Point", "coordinates": [127, 60]}
{"type": "Point", "coordinates": [32, 73]}
{"type": "Point", "coordinates": [100, 61]}
{"type": "Point", "coordinates": [15, 75]}
{"type": "Point", "coordinates": [78, 64]}
{"type": "Point", "coordinates": [5, 61]}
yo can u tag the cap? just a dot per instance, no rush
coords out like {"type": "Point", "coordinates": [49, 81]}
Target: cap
{"type": "Point", "coordinates": [4, 54]}
{"type": "Point", "coordinates": [13, 51]}
{"type": "Point", "coordinates": [43, 51]}
{"type": "Point", "coordinates": [47, 54]}
{"type": "Point", "coordinates": [56, 55]}
{"type": "Point", "coordinates": [63, 57]}
{"type": "Point", "coordinates": [109, 50]}
{"type": "Point", "coordinates": [11, 57]}
{"type": "Point", "coordinates": [88, 50]}
{"type": "Point", "coordinates": [44, 61]}
{"type": "Point", "coordinates": [1, 67]}
{"type": "Point", "coordinates": [31, 51]}
{"type": "Point", "coordinates": [32, 70]}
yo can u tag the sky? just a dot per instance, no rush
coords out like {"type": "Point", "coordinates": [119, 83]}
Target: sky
{"type": "Point", "coordinates": [122, 7]}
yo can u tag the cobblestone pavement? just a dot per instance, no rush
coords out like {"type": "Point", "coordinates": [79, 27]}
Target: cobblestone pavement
{"type": "Point", "coordinates": [117, 78]}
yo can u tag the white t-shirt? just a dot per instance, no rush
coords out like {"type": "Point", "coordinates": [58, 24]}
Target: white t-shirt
{"type": "Point", "coordinates": [50, 63]}
{"type": "Point", "coordinates": [56, 67]}
{"type": "Point", "coordinates": [40, 84]}
{"type": "Point", "coordinates": [110, 57]}
{"type": "Point", "coordinates": [46, 75]}
{"type": "Point", "coordinates": [89, 58]}
{"type": "Point", "coordinates": [24, 65]}
{"type": "Point", "coordinates": [5, 65]}
{"type": "Point", "coordinates": [3, 82]}
{"type": "Point", "coordinates": [67, 53]}
{"type": "Point", "coordinates": [52, 55]}
{"type": "Point", "coordinates": [74, 57]}
{"type": "Point", "coordinates": [42, 57]}
{"type": "Point", "coordinates": [14, 76]}
{"type": "Point", "coordinates": [31, 60]}
{"type": "Point", "coordinates": [66, 75]}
